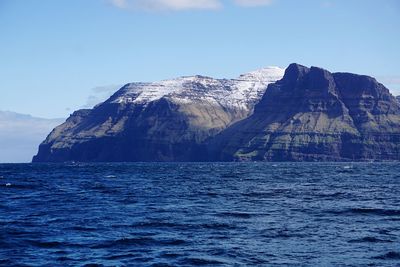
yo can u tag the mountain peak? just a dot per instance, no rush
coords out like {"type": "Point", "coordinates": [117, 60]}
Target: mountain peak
{"type": "Point", "coordinates": [164, 121]}
{"type": "Point", "coordinates": [313, 114]}
{"type": "Point", "coordinates": [246, 88]}
{"type": "Point", "coordinates": [270, 72]}
{"type": "Point", "coordinates": [310, 114]}
{"type": "Point", "coordinates": [294, 71]}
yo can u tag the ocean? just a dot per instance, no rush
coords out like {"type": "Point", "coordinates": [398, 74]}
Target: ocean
{"type": "Point", "coordinates": [194, 214]}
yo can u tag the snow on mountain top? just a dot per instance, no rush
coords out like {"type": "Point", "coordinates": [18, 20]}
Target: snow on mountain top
{"type": "Point", "coordinates": [264, 73]}
{"type": "Point", "coordinates": [244, 90]}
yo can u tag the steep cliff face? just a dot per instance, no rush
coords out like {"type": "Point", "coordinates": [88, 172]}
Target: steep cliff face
{"type": "Point", "coordinates": [309, 115]}
{"type": "Point", "coordinates": [160, 121]}
{"type": "Point", "coordinates": [312, 114]}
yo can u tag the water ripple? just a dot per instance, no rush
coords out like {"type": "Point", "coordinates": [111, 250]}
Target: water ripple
{"type": "Point", "coordinates": [200, 214]}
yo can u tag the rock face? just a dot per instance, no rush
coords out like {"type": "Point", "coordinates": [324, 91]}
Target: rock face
{"type": "Point", "coordinates": [161, 121]}
{"type": "Point", "coordinates": [308, 115]}
{"type": "Point", "coordinates": [314, 115]}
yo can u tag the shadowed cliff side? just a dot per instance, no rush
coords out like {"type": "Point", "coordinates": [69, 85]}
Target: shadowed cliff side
{"type": "Point", "coordinates": [163, 121]}
{"type": "Point", "coordinates": [314, 115]}
{"type": "Point", "coordinates": [308, 115]}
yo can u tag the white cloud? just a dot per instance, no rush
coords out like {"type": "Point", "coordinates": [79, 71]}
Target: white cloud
{"type": "Point", "coordinates": [175, 5]}
{"type": "Point", "coordinates": [180, 5]}
{"type": "Point", "coordinates": [393, 79]}
{"type": "Point", "coordinates": [119, 3]}
{"type": "Point", "coordinates": [392, 82]}
{"type": "Point", "coordinates": [253, 3]}
{"type": "Point", "coordinates": [100, 94]}
{"type": "Point", "coordinates": [327, 4]}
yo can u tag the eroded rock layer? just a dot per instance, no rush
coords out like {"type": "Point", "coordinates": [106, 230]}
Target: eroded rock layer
{"type": "Point", "coordinates": [314, 115]}
{"type": "Point", "coordinates": [160, 121]}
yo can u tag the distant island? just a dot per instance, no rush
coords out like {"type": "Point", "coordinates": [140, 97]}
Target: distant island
{"type": "Point", "coordinates": [297, 114]}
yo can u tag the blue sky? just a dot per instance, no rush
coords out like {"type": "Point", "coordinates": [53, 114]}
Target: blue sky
{"type": "Point", "coordinates": [58, 56]}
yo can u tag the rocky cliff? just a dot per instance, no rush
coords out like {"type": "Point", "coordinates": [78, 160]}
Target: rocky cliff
{"type": "Point", "coordinates": [308, 115]}
{"type": "Point", "coordinates": [313, 115]}
{"type": "Point", "coordinates": [160, 121]}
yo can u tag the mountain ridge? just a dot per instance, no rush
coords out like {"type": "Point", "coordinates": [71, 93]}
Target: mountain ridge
{"type": "Point", "coordinates": [326, 116]}
{"type": "Point", "coordinates": [299, 114]}
{"type": "Point", "coordinates": [158, 121]}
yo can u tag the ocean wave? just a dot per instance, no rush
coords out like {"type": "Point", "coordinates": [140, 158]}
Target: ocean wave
{"type": "Point", "coordinates": [391, 255]}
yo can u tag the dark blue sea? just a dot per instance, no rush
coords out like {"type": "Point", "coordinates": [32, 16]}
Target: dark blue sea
{"type": "Point", "coordinates": [193, 214]}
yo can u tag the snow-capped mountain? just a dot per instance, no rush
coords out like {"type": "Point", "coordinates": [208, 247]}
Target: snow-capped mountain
{"type": "Point", "coordinates": [312, 114]}
{"type": "Point", "coordinates": [241, 92]}
{"type": "Point", "coordinates": [157, 121]}
{"type": "Point", "coordinates": [309, 114]}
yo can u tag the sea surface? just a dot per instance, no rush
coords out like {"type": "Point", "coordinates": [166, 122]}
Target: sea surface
{"type": "Point", "coordinates": [193, 214]}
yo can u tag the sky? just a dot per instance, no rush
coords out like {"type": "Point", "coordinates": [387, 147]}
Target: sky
{"type": "Point", "coordinates": [59, 56]}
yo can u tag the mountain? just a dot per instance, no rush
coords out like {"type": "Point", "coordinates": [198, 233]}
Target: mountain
{"type": "Point", "coordinates": [20, 135]}
{"type": "Point", "coordinates": [398, 98]}
{"type": "Point", "coordinates": [314, 115]}
{"type": "Point", "coordinates": [160, 121]}
{"type": "Point", "coordinates": [310, 114]}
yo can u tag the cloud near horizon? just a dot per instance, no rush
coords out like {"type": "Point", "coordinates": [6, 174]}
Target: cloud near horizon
{"type": "Point", "coordinates": [100, 94]}
{"type": "Point", "coordinates": [20, 135]}
{"type": "Point", "coordinates": [392, 82]}
{"type": "Point", "coordinates": [179, 5]}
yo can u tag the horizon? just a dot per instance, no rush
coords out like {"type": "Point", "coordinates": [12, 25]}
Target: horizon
{"type": "Point", "coordinates": [199, 132]}
{"type": "Point", "coordinates": [59, 57]}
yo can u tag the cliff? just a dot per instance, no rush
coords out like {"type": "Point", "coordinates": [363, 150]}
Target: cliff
{"type": "Point", "coordinates": [314, 115]}
{"type": "Point", "coordinates": [310, 114]}
{"type": "Point", "coordinates": [160, 121]}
